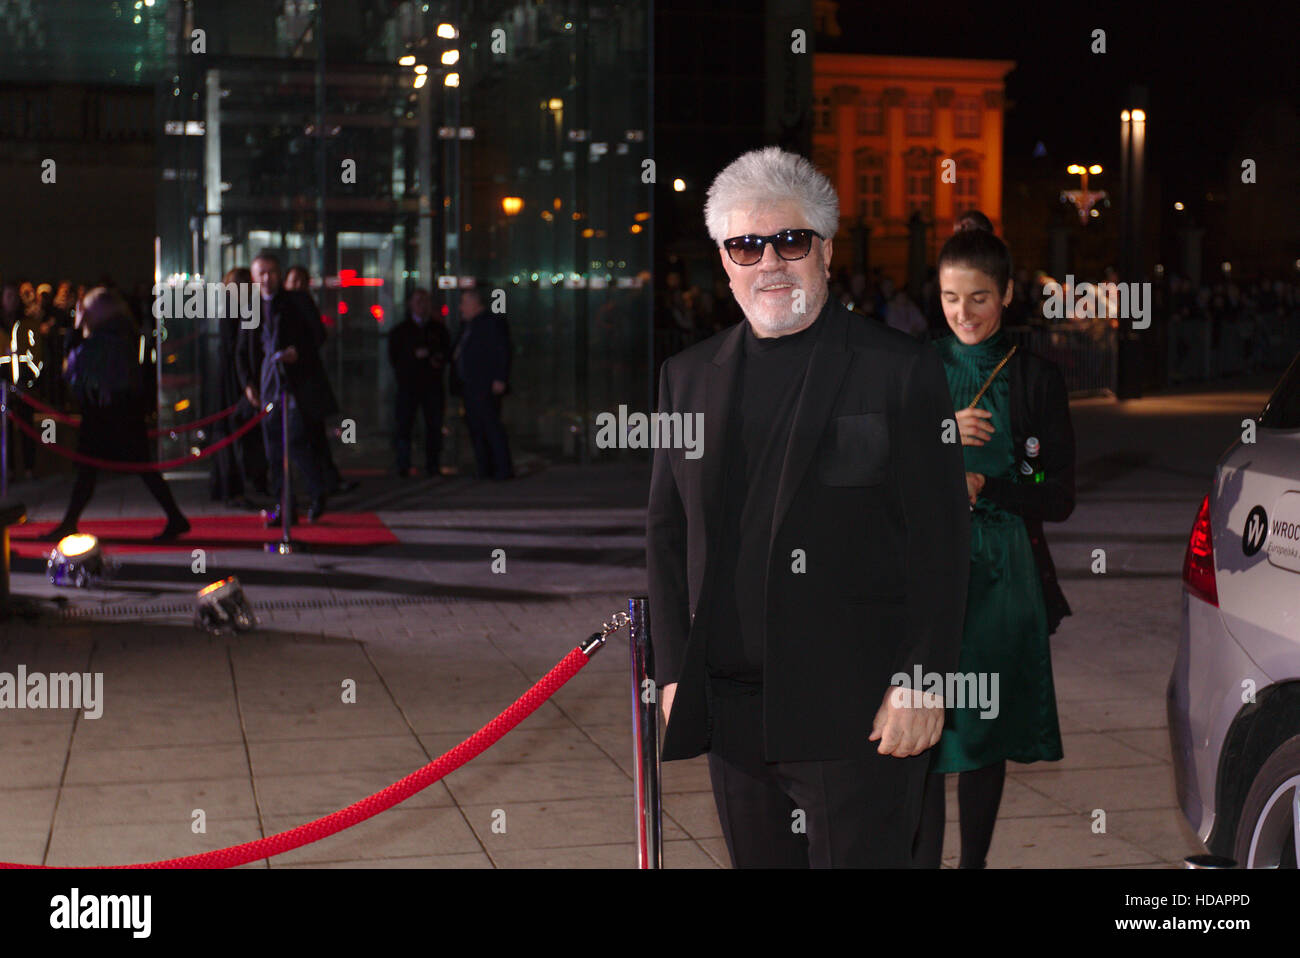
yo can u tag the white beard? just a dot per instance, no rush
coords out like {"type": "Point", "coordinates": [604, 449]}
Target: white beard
{"type": "Point", "coordinates": [776, 318]}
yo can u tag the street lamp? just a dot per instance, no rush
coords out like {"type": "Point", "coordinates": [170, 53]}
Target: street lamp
{"type": "Point", "coordinates": [1132, 138]}
{"type": "Point", "coordinates": [1083, 198]}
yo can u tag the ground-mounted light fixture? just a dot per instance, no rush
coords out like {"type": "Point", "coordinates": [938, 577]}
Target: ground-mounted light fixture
{"type": "Point", "coordinates": [221, 607]}
{"type": "Point", "coordinates": [75, 561]}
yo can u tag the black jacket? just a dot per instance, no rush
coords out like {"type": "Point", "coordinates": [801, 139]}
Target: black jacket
{"type": "Point", "coordinates": [1040, 407]}
{"type": "Point", "coordinates": [293, 320]}
{"type": "Point", "coordinates": [107, 380]}
{"type": "Point", "coordinates": [485, 353]}
{"type": "Point", "coordinates": [876, 501]}
{"type": "Point", "coordinates": [407, 339]}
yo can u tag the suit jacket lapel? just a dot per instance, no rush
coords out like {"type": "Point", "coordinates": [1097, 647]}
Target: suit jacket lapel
{"type": "Point", "coordinates": [719, 389]}
{"type": "Point", "coordinates": [826, 368]}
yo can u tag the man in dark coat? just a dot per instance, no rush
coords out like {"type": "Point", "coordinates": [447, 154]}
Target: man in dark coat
{"type": "Point", "coordinates": [286, 343]}
{"type": "Point", "coordinates": [814, 547]}
{"type": "Point", "coordinates": [418, 349]}
{"type": "Point", "coordinates": [481, 374]}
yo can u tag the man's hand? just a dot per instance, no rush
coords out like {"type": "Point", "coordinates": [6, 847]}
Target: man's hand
{"type": "Point", "coordinates": [290, 354]}
{"type": "Point", "coordinates": [907, 723]}
{"type": "Point", "coordinates": [251, 393]}
{"type": "Point", "coordinates": [975, 426]}
{"type": "Point", "coordinates": [498, 387]}
{"type": "Point", "coordinates": [974, 485]}
{"type": "Point", "coordinates": [666, 698]}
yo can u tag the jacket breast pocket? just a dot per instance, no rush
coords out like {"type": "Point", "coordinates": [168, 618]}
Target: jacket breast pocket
{"type": "Point", "coordinates": [854, 451]}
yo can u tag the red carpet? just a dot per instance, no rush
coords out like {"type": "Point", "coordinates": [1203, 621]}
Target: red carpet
{"type": "Point", "coordinates": [241, 530]}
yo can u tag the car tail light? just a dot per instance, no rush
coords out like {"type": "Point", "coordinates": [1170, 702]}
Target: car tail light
{"type": "Point", "coordinates": [1198, 563]}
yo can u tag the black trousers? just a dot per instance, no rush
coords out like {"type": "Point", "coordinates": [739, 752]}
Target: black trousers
{"type": "Point", "coordinates": [318, 440]}
{"type": "Point", "coordinates": [84, 488]}
{"type": "Point", "coordinates": [301, 453]}
{"type": "Point", "coordinates": [427, 400]}
{"type": "Point", "coordinates": [483, 419]}
{"type": "Point", "coordinates": [242, 464]}
{"type": "Point", "coordinates": [849, 813]}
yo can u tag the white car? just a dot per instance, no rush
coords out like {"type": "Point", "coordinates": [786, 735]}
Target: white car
{"type": "Point", "coordinates": [1234, 696]}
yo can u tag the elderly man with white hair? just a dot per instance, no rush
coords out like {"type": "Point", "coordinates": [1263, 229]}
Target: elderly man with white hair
{"type": "Point", "coordinates": [815, 551]}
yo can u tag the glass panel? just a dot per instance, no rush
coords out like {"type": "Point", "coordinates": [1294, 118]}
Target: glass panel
{"type": "Point", "coordinates": [529, 169]}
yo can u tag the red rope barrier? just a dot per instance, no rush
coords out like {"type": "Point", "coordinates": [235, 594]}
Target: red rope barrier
{"type": "Point", "coordinates": [119, 465]}
{"type": "Point", "coordinates": [47, 410]}
{"type": "Point", "coordinates": [383, 800]}
{"type": "Point", "coordinates": [75, 421]}
{"type": "Point", "coordinates": [196, 424]}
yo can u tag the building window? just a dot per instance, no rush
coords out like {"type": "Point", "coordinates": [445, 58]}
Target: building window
{"type": "Point", "coordinates": [966, 196]}
{"type": "Point", "coordinates": [822, 122]}
{"type": "Point", "coordinates": [871, 117]}
{"type": "Point", "coordinates": [920, 183]}
{"type": "Point", "coordinates": [920, 116]}
{"type": "Point", "coordinates": [826, 160]}
{"type": "Point", "coordinates": [966, 116]}
{"type": "Point", "coordinates": [871, 186]}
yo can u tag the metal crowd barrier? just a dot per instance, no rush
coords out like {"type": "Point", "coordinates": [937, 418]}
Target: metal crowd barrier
{"type": "Point", "coordinates": [645, 718]}
{"type": "Point", "coordinates": [645, 737]}
{"type": "Point", "coordinates": [1087, 355]}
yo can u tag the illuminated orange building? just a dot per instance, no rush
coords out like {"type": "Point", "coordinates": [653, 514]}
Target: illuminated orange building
{"type": "Point", "coordinates": [904, 134]}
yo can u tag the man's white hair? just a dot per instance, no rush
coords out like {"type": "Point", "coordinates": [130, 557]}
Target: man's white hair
{"type": "Point", "coordinates": [763, 177]}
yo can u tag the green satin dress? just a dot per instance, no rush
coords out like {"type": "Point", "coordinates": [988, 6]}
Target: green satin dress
{"type": "Point", "coordinates": [1005, 632]}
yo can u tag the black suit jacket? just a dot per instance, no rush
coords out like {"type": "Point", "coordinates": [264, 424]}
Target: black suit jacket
{"type": "Point", "coordinates": [870, 493]}
{"type": "Point", "coordinates": [1040, 406]}
{"type": "Point", "coordinates": [295, 321]}
{"type": "Point", "coordinates": [485, 354]}
{"type": "Point", "coordinates": [410, 370]}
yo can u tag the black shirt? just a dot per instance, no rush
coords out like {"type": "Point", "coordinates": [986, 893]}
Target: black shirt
{"type": "Point", "coordinates": [768, 386]}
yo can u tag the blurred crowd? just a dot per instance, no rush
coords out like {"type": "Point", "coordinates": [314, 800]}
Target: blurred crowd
{"type": "Point", "coordinates": [39, 320]}
{"type": "Point", "coordinates": [1209, 330]}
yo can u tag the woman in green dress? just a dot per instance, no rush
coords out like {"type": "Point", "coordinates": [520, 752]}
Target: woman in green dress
{"type": "Point", "coordinates": [1005, 636]}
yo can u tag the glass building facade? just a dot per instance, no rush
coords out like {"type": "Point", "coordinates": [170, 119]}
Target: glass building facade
{"type": "Point", "coordinates": [388, 146]}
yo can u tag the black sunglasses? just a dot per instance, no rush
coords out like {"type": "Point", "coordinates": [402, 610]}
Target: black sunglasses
{"type": "Point", "coordinates": [789, 245]}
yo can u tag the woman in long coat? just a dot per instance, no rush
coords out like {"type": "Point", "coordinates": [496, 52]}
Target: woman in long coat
{"type": "Point", "coordinates": [1018, 443]}
{"type": "Point", "coordinates": [107, 380]}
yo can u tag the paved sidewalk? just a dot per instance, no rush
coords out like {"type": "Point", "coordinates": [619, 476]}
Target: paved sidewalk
{"type": "Point", "coordinates": [253, 731]}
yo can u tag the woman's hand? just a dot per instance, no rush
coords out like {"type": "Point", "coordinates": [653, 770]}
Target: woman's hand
{"type": "Point", "coordinates": [975, 426]}
{"type": "Point", "coordinates": [974, 485]}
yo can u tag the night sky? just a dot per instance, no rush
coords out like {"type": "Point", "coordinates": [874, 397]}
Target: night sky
{"type": "Point", "coordinates": [1206, 66]}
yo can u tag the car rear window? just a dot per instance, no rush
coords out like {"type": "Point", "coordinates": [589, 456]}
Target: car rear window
{"type": "Point", "coordinates": [1283, 409]}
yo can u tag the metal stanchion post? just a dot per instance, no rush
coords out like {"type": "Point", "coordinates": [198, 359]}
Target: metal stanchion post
{"type": "Point", "coordinates": [4, 433]}
{"type": "Point", "coordinates": [645, 735]}
{"type": "Point", "coordinates": [286, 545]}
